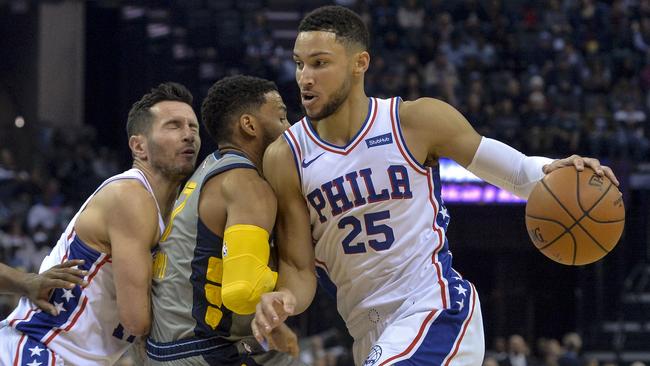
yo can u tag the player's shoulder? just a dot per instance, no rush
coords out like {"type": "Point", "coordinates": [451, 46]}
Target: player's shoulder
{"type": "Point", "coordinates": [128, 194]}
{"type": "Point", "coordinates": [423, 109]}
{"type": "Point", "coordinates": [278, 149]}
{"type": "Point", "coordinates": [244, 183]}
{"type": "Point", "coordinates": [278, 158]}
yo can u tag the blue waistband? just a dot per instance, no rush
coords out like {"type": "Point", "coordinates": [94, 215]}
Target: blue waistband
{"type": "Point", "coordinates": [185, 348]}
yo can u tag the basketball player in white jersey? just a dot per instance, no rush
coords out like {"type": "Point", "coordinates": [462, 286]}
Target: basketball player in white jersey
{"type": "Point", "coordinates": [114, 232]}
{"type": "Point", "coordinates": [359, 205]}
{"type": "Point", "coordinates": [37, 287]}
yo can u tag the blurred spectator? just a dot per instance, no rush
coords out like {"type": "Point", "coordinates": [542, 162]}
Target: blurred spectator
{"type": "Point", "coordinates": [441, 78]}
{"type": "Point", "coordinates": [500, 350]}
{"type": "Point", "coordinates": [506, 124]}
{"type": "Point", "coordinates": [600, 132]}
{"type": "Point", "coordinates": [536, 122]}
{"type": "Point", "coordinates": [550, 352]}
{"type": "Point", "coordinates": [518, 353]}
{"type": "Point", "coordinates": [13, 238]}
{"type": "Point", "coordinates": [44, 212]}
{"type": "Point", "coordinates": [572, 343]}
{"type": "Point", "coordinates": [7, 165]}
{"type": "Point", "coordinates": [564, 131]}
{"type": "Point", "coordinates": [630, 125]}
{"type": "Point", "coordinates": [410, 18]}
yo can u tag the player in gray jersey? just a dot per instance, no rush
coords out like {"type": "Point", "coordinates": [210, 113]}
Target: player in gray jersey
{"type": "Point", "coordinates": [212, 266]}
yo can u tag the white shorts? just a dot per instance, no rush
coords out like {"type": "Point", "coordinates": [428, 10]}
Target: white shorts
{"type": "Point", "coordinates": [450, 337]}
{"type": "Point", "coordinates": [17, 349]}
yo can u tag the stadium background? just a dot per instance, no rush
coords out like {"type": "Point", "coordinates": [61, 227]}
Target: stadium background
{"type": "Point", "coordinates": [548, 77]}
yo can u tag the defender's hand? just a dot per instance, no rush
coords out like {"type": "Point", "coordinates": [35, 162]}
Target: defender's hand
{"type": "Point", "coordinates": [38, 287]}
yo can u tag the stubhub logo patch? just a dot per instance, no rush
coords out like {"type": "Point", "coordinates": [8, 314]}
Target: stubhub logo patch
{"type": "Point", "coordinates": [380, 140]}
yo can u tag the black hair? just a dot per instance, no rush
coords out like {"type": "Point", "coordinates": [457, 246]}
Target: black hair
{"type": "Point", "coordinates": [228, 99]}
{"type": "Point", "coordinates": [346, 24]}
{"type": "Point", "coordinates": [140, 117]}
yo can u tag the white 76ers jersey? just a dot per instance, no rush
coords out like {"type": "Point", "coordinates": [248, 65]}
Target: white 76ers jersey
{"type": "Point", "coordinates": [87, 330]}
{"type": "Point", "coordinates": [378, 220]}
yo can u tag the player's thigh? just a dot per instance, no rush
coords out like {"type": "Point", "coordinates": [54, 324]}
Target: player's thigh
{"type": "Point", "coordinates": [440, 337]}
{"type": "Point", "coordinates": [18, 349]}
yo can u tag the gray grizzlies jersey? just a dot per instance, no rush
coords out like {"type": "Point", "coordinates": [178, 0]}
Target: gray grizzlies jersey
{"type": "Point", "coordinates": [189, 250]}
{"type": "Point", "coordinates": [191, 326]}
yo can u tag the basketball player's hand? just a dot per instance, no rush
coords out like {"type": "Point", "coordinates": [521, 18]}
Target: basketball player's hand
{"type": "Point", "coordinates": [272, 310]}
{"type": "Point", "coordinates": [285, 340]}
{"type": "Point", "coordinates": [580, 163]}
{"type": "Point", "coordinates": [38, 287]}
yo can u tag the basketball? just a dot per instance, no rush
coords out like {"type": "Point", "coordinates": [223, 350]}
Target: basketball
{"type": "Point", "coordinates": [573, 217]}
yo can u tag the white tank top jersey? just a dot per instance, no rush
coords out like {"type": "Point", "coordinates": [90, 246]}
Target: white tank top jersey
{"type": "Point", "coordinates": [87, 329]}
{"type": "Point", "coordinates": [378, 220]}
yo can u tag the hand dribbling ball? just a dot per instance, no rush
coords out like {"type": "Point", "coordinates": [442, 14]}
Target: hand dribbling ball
{"type": "Point", "coordinates": [573, 217]}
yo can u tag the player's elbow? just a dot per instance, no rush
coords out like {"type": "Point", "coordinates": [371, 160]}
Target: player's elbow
{"type": "Point", "coordinates": [239, 297]}
{"type": "Point", "coordinates": [137, 324]}
{"type": "Point", "coordinates": [137, 328]}
{"type": "Point", "coordinates": [242, 295]}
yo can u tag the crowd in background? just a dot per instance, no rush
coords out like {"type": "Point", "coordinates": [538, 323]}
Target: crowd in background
{"type": "Point", "coordinates": [550, 78]}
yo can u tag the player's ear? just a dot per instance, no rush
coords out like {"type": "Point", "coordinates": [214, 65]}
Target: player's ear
{"type": "Point", "coordinates": [248, 124]}
{"type": "Point", "coordinates": [138, 146]}
{"type": "Point", "coordinates": [361, 63]}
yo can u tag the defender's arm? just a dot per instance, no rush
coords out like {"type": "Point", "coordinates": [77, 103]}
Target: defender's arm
{"type": "Point", "coordinates": [250, 208]}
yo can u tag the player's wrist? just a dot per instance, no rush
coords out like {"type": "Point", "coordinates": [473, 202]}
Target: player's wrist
{"type": "Point", "coordinates": [22, 282]}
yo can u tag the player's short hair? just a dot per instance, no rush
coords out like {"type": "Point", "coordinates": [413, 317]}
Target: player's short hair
{"type": "Point", "coordinates": [140, 117]}
{"type": "Point", "coordinates": [346, 24]}
{"type": "Point", "coordinates": [228, 99]}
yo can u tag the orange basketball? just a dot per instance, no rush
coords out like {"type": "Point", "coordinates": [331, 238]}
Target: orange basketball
{"type": "Point", "coordinates": [574, 217]}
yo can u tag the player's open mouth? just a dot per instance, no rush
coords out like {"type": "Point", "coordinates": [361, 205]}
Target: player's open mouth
{"type": "Point", "coordinates": [188, 152]}
{"type": "Point", "coordinates": [308, 99]}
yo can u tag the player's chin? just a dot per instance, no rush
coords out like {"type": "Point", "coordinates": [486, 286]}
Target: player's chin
{"type": "Point", "coordinates": [188, 168]}
{"type": "Point", "coordinates": [185, 168]}
{"type": "Point", "coordinates": [314, 113]}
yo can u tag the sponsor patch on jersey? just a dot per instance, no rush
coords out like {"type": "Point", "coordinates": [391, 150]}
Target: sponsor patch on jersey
{"type": "Point", "coordinates": [380, 140]}
{"type": "Point", "coordinates": [373, 356]}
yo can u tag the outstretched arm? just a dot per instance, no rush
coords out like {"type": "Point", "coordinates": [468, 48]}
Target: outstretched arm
{"type": "Point", "coordinates": [38, 287]}
{"type": "Point", "coordinates": [438, 130]}
{"type": "Point", "coordinates": [297, 280]}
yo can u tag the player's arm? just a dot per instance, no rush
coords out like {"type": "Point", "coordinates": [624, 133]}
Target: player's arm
{"type": "Point", "coordinates": [293, 229]}
{"type": "Point", "coordinates": [444, 132]}
{"type": "Point", "coordinates": [37, 287]}
{"type": "Point", "coordinates": [296, 279]}
{"type": "Point", "coordinates": [132, 225]}
{"type": "Point", "coordinates": [250, 207]}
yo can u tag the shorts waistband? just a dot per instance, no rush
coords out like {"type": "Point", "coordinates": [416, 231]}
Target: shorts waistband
{"type": "Point", "coordinates": [184, 348]}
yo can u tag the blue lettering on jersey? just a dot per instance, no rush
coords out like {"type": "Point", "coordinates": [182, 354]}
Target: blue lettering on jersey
{"type": "Point", "coordinates": [343, 192]}
{"type": "Point", "coordinates": [380, 140]}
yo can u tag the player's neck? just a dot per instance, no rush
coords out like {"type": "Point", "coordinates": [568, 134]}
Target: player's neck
{"type": "Point", "coordinates": [340, 127]}
{"type": "Point", "coordinates": [250, 153]}
{"type": "Point", "coordinates": [165, 189]}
